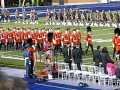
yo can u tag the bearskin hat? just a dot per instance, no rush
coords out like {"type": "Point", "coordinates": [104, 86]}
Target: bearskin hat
{"type": "Point", "coordinates": [88, 29]}
{"type": "Point", "coordinates": [116, 30]}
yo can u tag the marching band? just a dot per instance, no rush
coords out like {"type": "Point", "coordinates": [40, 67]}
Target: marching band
{"type": "Point", "coordinates": [85, 17]}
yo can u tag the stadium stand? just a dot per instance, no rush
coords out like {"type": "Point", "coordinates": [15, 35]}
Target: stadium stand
{"type": "Point", "coordinates": [42, 10]}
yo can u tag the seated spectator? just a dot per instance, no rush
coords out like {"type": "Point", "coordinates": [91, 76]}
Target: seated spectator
{"type": "Point", "coordinates": [111, 69]}
{"type": "Point", "coordinates": [97, 56]}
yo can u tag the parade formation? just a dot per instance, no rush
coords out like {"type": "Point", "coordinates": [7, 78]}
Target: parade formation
{"type": "Point", "coordinates": [68, 44]}
{"type": "Point", "coordinates": [85, 17]}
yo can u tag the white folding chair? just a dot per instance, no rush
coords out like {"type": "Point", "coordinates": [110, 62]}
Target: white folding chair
{"type": "Point", "coordinates": [103, 79]}
{"type": "Point", "coordinates": [62, 68]}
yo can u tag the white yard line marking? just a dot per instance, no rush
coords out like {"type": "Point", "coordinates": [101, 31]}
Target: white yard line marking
{"type": "Point", "coordinates": [55, 86]}
{"type": "Point", "coordinates": [102, 40]}
{"type": "Point", "coordinates": [101, 35]}
{"type": "Point", "coordinates": [9, 57]}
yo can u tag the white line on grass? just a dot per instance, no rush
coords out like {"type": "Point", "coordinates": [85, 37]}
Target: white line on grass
{"type": "Point", "coordinates": [100, 34]}
{"type": "Point", "coordinates": [55, 86]}
{"type": "Point", "coordinates": [9, 57]}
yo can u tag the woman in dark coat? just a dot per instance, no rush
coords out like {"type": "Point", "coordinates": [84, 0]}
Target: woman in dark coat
{"type": "Point", "coordinates": [105, 58]}
{"type": "Point", "coordinates": [97, 56]}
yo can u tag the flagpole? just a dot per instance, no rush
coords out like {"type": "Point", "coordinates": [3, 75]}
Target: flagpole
{"type": "Point", "coordinates": [3, 3]}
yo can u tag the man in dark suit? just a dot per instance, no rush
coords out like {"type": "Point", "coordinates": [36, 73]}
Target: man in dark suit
{"type": "Point", "coordinates": [67, 55]}
{"type": "Point", "coordinates": [77, 56]}
{"type": "Point", "coordinates": [97, 56]}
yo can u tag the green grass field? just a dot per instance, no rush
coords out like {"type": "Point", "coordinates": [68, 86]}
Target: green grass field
{"type": "Point", "coordinates": [101, 36]}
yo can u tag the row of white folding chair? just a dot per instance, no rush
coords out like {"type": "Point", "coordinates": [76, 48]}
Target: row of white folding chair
{"type": "Point", "coordinates": [88, 68]}
{"type": "Point", "coordinates": [86, 76]}
{"type": "Point", "coordinates": [92, 69]}
{"type": "Point", "coordinates": [100, 79]}
{"type": "Point", "coordinates": [63, 67]}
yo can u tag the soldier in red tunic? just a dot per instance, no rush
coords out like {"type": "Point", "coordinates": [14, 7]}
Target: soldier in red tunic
{"type": "Point", "coordinates": [57, 41]}
{"type": "Point", "coordinates": [89, 40]}
{"type": "Point", "coordinates": [117, 47]}
{"type": "Point", "coordinates": [114, 38]}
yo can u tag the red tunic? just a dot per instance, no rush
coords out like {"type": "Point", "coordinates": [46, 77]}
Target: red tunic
{"type": "Point", "coordinates": [32, 53]}
{"type": "Point", "coordinates": [88, 39]}
{"type": "Point", "coordinates": [66, 39]}
{"type": "Point", "coordinates": [78, 34]}
{"type": "Point", "coordinates": [114, 38]}
{"type": "Point", "coordinates": [75, 40]}
{"type": "Point", "coordinates": [57, 38]}
{"type": "Point", "coordinates": [117, 45]}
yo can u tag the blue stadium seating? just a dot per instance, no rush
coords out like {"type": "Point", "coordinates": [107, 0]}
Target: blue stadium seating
{"type": "Point", "coordinates": [43, 9]}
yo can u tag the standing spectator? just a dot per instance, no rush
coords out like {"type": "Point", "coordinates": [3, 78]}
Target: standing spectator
{"type": "Point", "coordinates": [111, 69]}
{"type": "Point", "coordinates": [97, 56]}
{"type": "Point", "coordinates": [105, 58]}
{"type": "Point", "coordinates": [30, 57]}
{"type": "Point", "coordinates": [77, 55]}
{"type": "Point", "coordinates": [67, 55]}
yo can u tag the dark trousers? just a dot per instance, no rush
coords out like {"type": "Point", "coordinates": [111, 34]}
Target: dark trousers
{"type": "Point", "coordinates": [32, 65]}
{"type": "Point", "coordinates": [114, 52]}
{"type": "Point", "coordinates": [0, 46]}
{"type": "Point", "coordinates": [118, 73]}
{"type": "Point", "coordinates": [70, 65]}
{"type": "Point", "coordinates": [78, 66]}
{"type": "Point", "coordinates": [91, 46]}
{"type": "Point", "coordinates": [105, 70]}
{"type": "Point", "coordinates": [81, 49]}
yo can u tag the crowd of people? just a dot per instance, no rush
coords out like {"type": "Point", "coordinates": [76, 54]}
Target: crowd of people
{"type": "Point", "coordinates": [85, 17]}
{"type": "Point", "coordinates": [65, 16]}
{"type": "Point", "coordinates": [69, 44]}
{"type": "Point", "coordinates": [24, 16]}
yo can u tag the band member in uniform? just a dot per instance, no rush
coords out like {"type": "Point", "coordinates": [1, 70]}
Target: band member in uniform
{"type": "Point", "coordinates": [78, 34]}
{"type": "Point", "coordinates": [55, 16]}
{"type": "Point", "coordinates": [76, 52]}
{"type": "Point", "coordinates": [57, 41]}
{"type": "Point", "coordinates": [61, 16]}
{"type": "Point", "coordinates": [24, 15]}
{"type": "Point", "coordinates": [93, 18]}
{"type": "Point", "coordinates": [110, 17]}
{"type": "Point", "coordinates": [114, 38]}
{"type": "Point", "coordinates": [104, 18]}
{"type": "Point", "coordinates": [83, 18]}
{"type": "Point", "coordinates": [117, 18]}
{"type": "Point", "coordinates": [73, 12]}
{"type": "Point", "coordinates": [117, 48]}
{"type": "Point", "coordinates": [17, 15]}
{"type": "Point", "coordinates": [65, 16]}
{"type": "Point", "coordinates": [89, 40]}
{"type": "Point", "coordinates": [7, 15]}
{"type": "Point", "coordinates": [66, 49]}
{"type": "Point", "coordinates": [50, 16]}
{"type": "Point", "coordinates": [77, 16]}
